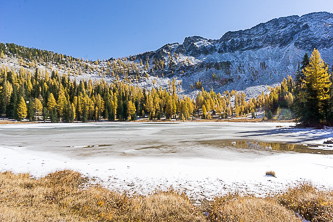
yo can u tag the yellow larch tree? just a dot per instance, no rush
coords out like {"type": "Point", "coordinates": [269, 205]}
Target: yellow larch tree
{"type": "Point", "coordinates": [51, 102]}
{"type": "Point", "coordinates": [22, 109]}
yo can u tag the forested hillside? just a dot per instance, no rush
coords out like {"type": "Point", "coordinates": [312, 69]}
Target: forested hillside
{"type": "Point", "coordinates": [41, 93]}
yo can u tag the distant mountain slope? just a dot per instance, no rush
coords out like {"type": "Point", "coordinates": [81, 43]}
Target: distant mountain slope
{"type": "Point", "coordinates": [264, 54]}
{"type": "Point", "coordinates": [245, 60]}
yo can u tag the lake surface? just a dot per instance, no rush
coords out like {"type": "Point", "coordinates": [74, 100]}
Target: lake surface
{"type": "Point", "coordinates": [202, 159]}
{"type": "Point", "coordinates": [122, 140]}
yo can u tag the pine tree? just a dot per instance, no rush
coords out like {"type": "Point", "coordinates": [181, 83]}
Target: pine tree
{"type": "Point", "coordinates": [22, 109]}
{"type": "Point", "coordinates": [299, 104]}
{"type": "Point", "coordinates": [300, 75]}
{"type": "Point", "coordinates": [54, 115]}
{"type": "Point", "coordinates": [68, 113]}
{"type": "Point", "coordinates": [269, 114]}
{"type": "Point", "coordinates": [30, 108]}
{"type": "Point", "coordinates": [316, 85]}
{"type": "Point", "coordinates": [12, 109]}
{"type": "Point", "coordinates": [45, 114]}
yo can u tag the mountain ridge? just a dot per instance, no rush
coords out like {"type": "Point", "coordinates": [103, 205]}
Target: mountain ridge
{"type": "Point", "coordinates": [274, 48]}
{"type": "Point", "coordinates": [248, 60]}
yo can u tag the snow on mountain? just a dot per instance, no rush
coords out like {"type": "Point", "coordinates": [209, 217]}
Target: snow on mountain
{"type": "Point", "coordinates": [247, 60]}
{"type": "Point", "coordinates": [242, 60]}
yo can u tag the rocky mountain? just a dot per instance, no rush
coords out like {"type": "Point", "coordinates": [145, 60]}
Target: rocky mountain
{"type": "Point", "coordinates": [248, 59]}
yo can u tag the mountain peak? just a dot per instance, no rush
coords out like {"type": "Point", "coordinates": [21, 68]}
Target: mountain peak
{"type": "Point", "coordinates": [317, 15]}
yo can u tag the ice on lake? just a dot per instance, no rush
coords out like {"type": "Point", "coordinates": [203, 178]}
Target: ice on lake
{"type": "Point", "coordinates": [202, 159]}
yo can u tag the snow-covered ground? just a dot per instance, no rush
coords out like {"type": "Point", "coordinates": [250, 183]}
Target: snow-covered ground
{"type": "Point", "coordinates": [140, 158]}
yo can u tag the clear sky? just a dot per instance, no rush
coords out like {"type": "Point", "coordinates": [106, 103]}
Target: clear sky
{"type": "Point", "coordinates": [116, 28]}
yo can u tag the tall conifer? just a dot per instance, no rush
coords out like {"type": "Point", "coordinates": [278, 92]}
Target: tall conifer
{"type": "Point", "coordinates": [22, 109]}
{"type": "Point", "coordinates": [316, 85]}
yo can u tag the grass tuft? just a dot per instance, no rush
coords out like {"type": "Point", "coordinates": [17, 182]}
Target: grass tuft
{"type": "Point", "coordinates": [238, 208]}
{"type": "Point", "coordinates": [308, 202]}
{"type": "Point", "coordinates": [270, 173]}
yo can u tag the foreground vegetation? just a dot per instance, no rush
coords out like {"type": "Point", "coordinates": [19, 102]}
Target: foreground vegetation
{"type": "Point", "coordinates": [67, 196]}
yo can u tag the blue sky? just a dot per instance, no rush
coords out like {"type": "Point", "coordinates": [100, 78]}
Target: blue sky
{"type": "Point", "coordinates": [104, 29]}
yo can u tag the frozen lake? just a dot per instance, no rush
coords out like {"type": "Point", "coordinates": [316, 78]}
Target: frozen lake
{"type": "Point", "coordinates": [202, 159]}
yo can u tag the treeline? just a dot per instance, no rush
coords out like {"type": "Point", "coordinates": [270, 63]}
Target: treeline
{"type": "Point", "coordinates": [130, 68]}
{"type": "Point", "coordinates": [44, 95]}
{"type": "Point", "coordinates": [31, 58]}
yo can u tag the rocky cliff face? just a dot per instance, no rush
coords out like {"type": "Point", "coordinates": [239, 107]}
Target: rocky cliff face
{"type": "Point", "coordinates": [306, 32]}
{"type": "Point", "coordinates": [241, 60]}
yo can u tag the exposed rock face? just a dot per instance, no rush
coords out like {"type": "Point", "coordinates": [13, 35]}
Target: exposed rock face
{"type": "Point", "coordinates": [262, 55]}
{"type": "Point", "coordinates": [275, 33]}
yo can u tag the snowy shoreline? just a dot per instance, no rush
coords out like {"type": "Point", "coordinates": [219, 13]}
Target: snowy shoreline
{"type": "Point", "coordinates": [140, 158]}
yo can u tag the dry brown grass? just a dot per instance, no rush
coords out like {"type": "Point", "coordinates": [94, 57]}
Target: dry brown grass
{"type": "Point", "coordinates": [237, 208]}
{"type": "Point", "coordinates": [67, 196]}
{"type": "Point", "coordinates": [60, 196]}
{"type": "Point", "coordinates": [309, 202]}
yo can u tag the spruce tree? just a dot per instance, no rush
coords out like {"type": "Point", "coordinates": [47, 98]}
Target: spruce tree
{"type": "Point", "coordinates": [5, 96]}
{"type": "Point", "coordinates": [300, 92]}
{"type": "Point", "coordinates": [54, 115]}
{"type": "Point", "coordinates": [45, 114]}
{"type": "Point", "coordinates": [12, 109]}
{"type": "Point", "coordinates": [30, 108]}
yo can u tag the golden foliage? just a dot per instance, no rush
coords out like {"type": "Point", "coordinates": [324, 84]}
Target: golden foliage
{"type": "Point", "coordinates": [22, 109]}
{"type": "Point", "coordinates": [317, 77]}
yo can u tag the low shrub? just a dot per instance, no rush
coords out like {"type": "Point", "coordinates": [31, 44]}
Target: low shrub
{"type": "Point", "coordinates": [270, 173]}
